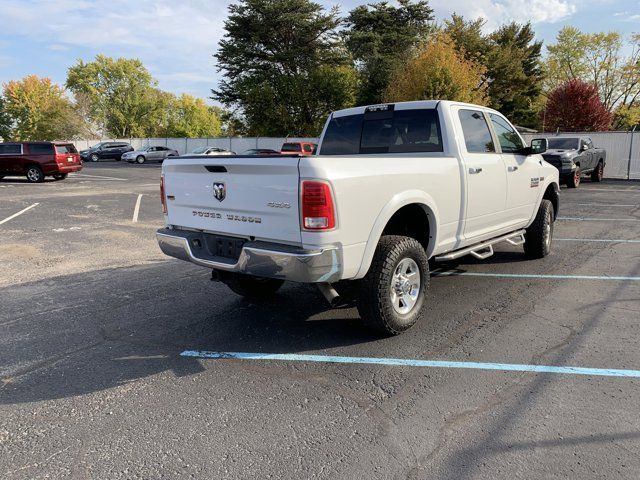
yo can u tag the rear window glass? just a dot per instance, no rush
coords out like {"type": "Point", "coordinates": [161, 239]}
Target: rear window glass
{"type": "Point", "coordinates": [10, 149]}
{"type": "Point", "coordinates": [66, 149]}
{"type": "Point", "coordinates": [40, 149]}
{"type": "Point", "coordinates": [290, 147]}
{"type": "Point", "coordinates": [399, 131]}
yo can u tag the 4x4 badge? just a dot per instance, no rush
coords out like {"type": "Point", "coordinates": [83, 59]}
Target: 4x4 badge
{"type": "Point", "coordinates": [219, 191]}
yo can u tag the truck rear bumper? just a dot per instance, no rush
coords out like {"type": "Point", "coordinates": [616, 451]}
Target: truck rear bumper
{"type": "Point", "coordinates": [259, 259]}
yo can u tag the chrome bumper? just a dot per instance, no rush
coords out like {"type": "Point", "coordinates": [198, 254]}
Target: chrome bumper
{"type": "Point", "coordinates": [257, 258]}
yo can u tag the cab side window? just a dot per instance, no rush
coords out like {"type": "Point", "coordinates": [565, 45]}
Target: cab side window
{"type": "Point", "coordinates": [510, 141]}
{"type": "Point", "coordinates": [477, 136]}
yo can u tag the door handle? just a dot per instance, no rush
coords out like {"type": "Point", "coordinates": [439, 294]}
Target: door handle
{"type": "Point", "coordinates": [512, 169]}
{"type": "Point", "coordinates": [475, 170]}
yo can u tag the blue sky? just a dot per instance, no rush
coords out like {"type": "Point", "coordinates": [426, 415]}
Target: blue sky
{"type": "Point", "coordinates": [176, 39]}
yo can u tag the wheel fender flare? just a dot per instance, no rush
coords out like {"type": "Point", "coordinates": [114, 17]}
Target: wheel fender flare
{"type": "Point", "coordinates": [396, 203]}
{"type": "Point", "coordinates": [547, 183]}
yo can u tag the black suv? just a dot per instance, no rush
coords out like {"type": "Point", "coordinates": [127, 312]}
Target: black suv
{"type": "Point", "coordinates": [106, 150]}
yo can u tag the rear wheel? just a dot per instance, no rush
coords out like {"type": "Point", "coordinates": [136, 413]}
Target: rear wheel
{"type": "Point", "coordinates": [540, 233]}
{"type": "Point", "coordinates": [60, 176]}
{"type": "Point", "coordinates": [252, 288]}
{"type": "Point", "coordinates": [598, 173]}
{"type": "Point", "coordinates": [140, 159]}
{"type": "Point", "coordinates": [392, 294]}
{"type": "Point", "coordinates": [34, 174]}
{"type": "Point", "coordinates": [574, 180]}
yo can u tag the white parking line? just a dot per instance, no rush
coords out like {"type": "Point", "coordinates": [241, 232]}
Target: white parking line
{"type": "Point", "coordinates": [601, 240]}
{"type": "Point", "coordinates": [19, 213]}
{"type": "Point", "coordinates": [632, 190]}
{"type": "Point", "coordinates": [607, 205]}
{"type": "Point", "coordinates": [593, 219]}
{"type": "Point", "coordinates": [451, 273]}
{"type": "Point", "coordinates": [100, 176]}
{"type": "Point", "coordinates": [136, 210]}
{"type": "Point", "coordinates": [409, 362]}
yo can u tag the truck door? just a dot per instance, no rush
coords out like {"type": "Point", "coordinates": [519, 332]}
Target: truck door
{"type": "Point", "coordinates": [486, 181]}
{"type": "Point", "coordinates": [523, 171]}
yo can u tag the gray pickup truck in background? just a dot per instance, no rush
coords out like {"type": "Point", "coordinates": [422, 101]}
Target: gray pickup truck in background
{"type": "Point", "coordinates": [574, 157]}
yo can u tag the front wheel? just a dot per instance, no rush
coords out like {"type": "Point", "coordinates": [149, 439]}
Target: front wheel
{"type": "Point", "coordinates": [140, 159]}
{"type": "Point", "coordinates": [392, 294]}
{"type": "Point", "coordinates": [94, 157]}
{"type": "Point", "coordinates": [540, 233]}
{"type": "Point", "coordinates": [598, 173]}
{"type": "Point", "coordinates": [252, 288]}
{"type": "Point", "coordinates": [574, 180]}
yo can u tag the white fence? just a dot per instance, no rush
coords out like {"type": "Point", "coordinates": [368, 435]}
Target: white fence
{"type": "Point", "coordinates": [187, 145]}
{"type": "Point", "coordinates": [623, 150]}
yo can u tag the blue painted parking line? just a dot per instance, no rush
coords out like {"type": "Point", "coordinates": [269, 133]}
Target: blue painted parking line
{"type": "Point", "coordinates": [452, 273]}
{"type": "Point", "coordinates": [592, 219]}
{"type": "Point", "coordinates": [404, 362]}
{"type": "Point", "coordinates": [601, 240]}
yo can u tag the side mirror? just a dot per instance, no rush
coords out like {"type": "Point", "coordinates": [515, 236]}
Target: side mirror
{"type": "Point", "coordinates": [538, 146]}
{"type": "Point", "coordinates": [585, 146]}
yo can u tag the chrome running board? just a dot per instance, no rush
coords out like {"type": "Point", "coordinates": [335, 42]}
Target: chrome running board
{"type": "Point", "coordinates": [484, 249]}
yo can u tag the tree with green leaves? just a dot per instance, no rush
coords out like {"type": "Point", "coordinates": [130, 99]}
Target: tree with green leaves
{"type": "Point", "coordinates": [188, 116]}
{"type": "Point", "coordinates": [597, 58]}
{"type": "Point", "coordinates": [283, 65]}
{"type": "Point", "coordinates": [120, 92]}
{"type": "Point", "coordinates": [437, 70]}
{"type": "Point", "coordinates": [5, 121]}
{"type": "Point", "coordinates": [35, 108]}
{"type": "Point", "coordinates": [380, 38]}
{"type": "Point", "coordinates": [512, 58]}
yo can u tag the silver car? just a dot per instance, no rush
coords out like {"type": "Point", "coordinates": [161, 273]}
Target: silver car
{"type": "Point", "coordinates": [212, 151]}
{"type": "Point", "coordinates": [149, 154]}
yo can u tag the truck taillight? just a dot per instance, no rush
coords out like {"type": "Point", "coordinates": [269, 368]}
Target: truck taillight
{"type": "Point", "coordinates": [318, 212]}
{"type": "Point", "coordinates": [163, 198]}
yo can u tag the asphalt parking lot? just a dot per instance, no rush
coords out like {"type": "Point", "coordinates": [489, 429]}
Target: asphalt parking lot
{"type": "Point", "coordinates": [93, 321]}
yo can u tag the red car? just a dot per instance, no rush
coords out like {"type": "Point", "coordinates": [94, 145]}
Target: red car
{"type": "Point", "coordinates": [298, 148]}
{"type": "Point", "coordinates": [37, 160]}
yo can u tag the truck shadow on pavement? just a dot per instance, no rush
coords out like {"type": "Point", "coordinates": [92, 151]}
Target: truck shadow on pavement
{"type": "Point", "coordinates": [75, 335]}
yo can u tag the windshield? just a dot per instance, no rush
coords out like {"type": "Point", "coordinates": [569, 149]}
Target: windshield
{"type": "Point", "coordinates": [563, 143]}
{"type": "Point", "coordinates": [200, 150]}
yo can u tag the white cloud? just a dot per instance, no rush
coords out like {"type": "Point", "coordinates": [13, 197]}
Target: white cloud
{"type": "Point", "coordinates": [176, 39]}
{"type": "Point", "coordinates": [497, 12]}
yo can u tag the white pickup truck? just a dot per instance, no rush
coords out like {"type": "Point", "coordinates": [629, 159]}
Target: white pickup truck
{"type": "Point", "coordinates": [391, 187]}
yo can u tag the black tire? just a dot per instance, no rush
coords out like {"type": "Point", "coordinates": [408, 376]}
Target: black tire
{"type": "Point", "coordinates": [94, 157]}
{"type": "Point", "coordinates": [252, 288]}
{"type": "Point", "coordinates": [140, 159]}
{"type": "Point", "coordinates": [1, 177]}
{"type": "Point", "coordinates": [574, 180]}
{"type": "Point", "coordinates": [60, 176]}
{"type": "Point", "coordinates": [539, 235]}
{"type": "Point", "coordinates": [598, 173]}
{"type": "Point", "coordinates": [374, 302]}
{"type": "Point", "coordinates": [34, 174]}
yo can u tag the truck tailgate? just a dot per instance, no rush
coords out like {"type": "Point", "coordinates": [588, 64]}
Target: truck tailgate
{"type": "Point", "coordinates": [250, 197]}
